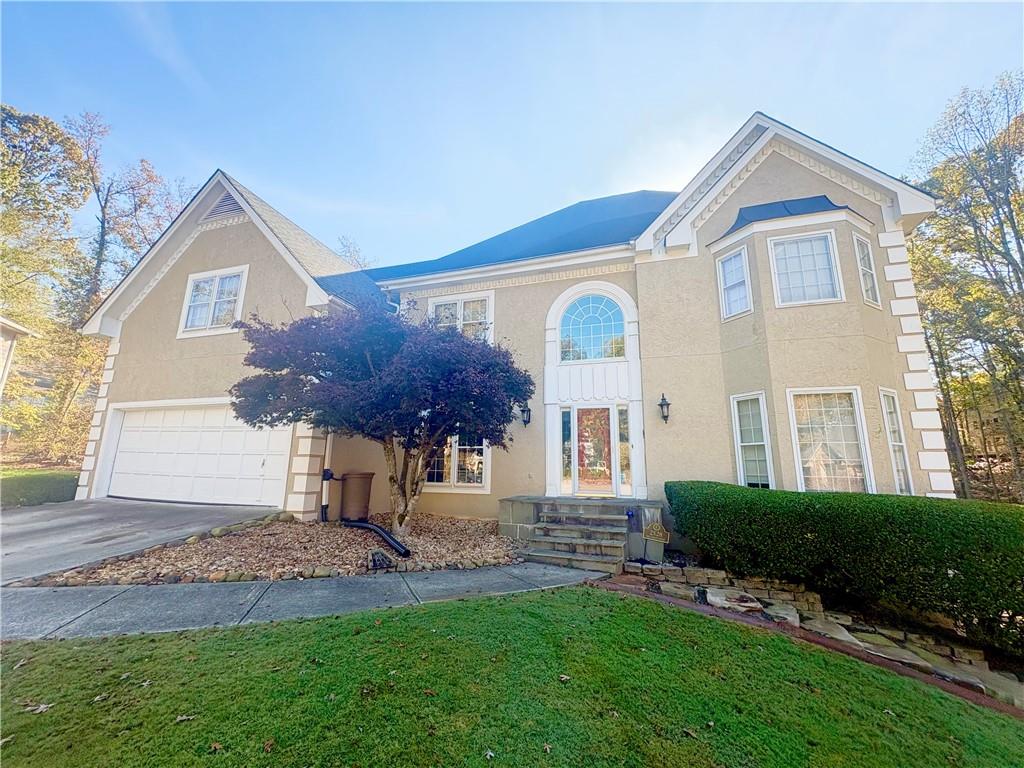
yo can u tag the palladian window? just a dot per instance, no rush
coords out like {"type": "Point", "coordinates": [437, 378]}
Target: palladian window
{"type": "Point", "coordinates": [592, 329]}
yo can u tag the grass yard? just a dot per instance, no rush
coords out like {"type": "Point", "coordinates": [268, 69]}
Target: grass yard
{"type": "Point", "coordinates": [449, 683]}
{"type": "Point", "coordinates": [28, 487]}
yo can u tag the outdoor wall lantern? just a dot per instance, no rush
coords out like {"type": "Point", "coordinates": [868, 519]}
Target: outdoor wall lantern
{"type": "Point", "coordinates": [526, 413]}
{"type": "Point", "coordinates": [664, 405]}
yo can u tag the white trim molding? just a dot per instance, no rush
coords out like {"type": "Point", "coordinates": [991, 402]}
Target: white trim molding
{"type": "Point", "coordinates": [599, 383]}
{"type": "Point", "coordinates": [208, 330]}
{"type": "Point", "coordinates": [830, 234]}
{"type": "Point", "coordinates": [858, 405]}
{"type": "Point", "coordinates": [734, 401]}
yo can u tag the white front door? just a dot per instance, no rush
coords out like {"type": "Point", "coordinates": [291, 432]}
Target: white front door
{"type": "Point", "coordinates": [199, 454]}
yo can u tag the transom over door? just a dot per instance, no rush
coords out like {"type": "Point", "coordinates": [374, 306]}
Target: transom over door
{"type": "Point", "coordinates": [201, 454]}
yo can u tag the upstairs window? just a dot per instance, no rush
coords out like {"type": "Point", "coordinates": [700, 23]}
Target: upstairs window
{"type": "Point", "coordinates": [213, 301]}
{"type": "Point", "coordinates": [592, 328]}
{"type": "Point", "coordinates": [866, 265]}
{"type": "Point", "coordinates": [804, 270]}
{"type": "Point", "coordinates": [734, 284]}
{"type": "Point", "coordinates": [473, 314]}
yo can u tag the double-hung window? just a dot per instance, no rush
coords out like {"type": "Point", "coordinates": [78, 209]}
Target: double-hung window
{"type": "Point", "coordinates": [866, 265]}
{"type": "Point", "coordinates": [473, 314]}
{"type": "Point", "coordinates": [828, 440]}
{"type": "Point", "coordinates": [734, 284]}
{"type": "Point", "coordinates": [897, 442]}
{"type": "Point", "coordinates": [753, 448]}
{"type": "Point", "coordinates": [805, 270]}
{"type": "Point", "coordinates": [213, 301]}
{"type": "Point", "coordinates": [460, 466]}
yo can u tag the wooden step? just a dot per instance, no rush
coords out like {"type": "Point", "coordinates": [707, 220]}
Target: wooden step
{"type": "Point", "coordinates": [604, 563]}
{"type": "Point", "coordinates": [614, 547]}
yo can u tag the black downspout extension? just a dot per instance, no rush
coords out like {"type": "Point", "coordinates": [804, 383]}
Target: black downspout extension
{"type": "Point", "coordinates": [391, 541]}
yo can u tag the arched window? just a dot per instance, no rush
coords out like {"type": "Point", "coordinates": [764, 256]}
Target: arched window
{"type": "Point", "coordinates": [592, 329]}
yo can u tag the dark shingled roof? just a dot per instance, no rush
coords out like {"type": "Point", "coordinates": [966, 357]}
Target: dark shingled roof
{"type": "Point", "coordinates": [781, 209]}
{"type": "Point", "coordinates": [590, 224]}
{"type": "Point", "coordinates": [355, 288]}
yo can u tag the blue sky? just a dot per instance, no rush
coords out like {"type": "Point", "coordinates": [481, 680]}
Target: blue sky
{"type": "Point", "coordinates": [419, 129]}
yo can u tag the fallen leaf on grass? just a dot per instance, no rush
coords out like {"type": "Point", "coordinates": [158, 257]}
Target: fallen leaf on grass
{"type": "Point", "coordinates": [268, 746]}
{"type": "Point", "coordinates": [690, 733]}
{"type": "Point", "coordinates": [101, 697]}
{"type": "Point", "coordinates": [183, 718]}
{"type": "Point", "coordinates": [547, 748]}
{"type": "Point", "coordinates": [36, 709]}
{"type": "Point", "coordinates": [429, 692]}
{"type": "Point", "coordinates": [489, 755]}
{"type": "Point", "coordinates": [5, 739]}
{"type": "Point", "coordinates": [216, 746]}
{"type": "Point", "coordinates": [145, 684]}
{"type": "Point", "coordinates": [563, 678]}
{"type": "Point", "coordinates": [125, 676]}
{"type": "Point", "coordinates": [21, 663]}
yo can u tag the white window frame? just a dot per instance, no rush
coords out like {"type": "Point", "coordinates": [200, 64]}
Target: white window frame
{"type": "Point", "coordinates": [733, 402]}
{"type": "Point", "coordinates": [858, 406]}
{"type": "Point", "coordinates": [860, 271]}
{"type": "Point", "coordinates": [882, 392]}
{"type": "Point", "coordinates": [461, 298]}
{"type": "Point", "coordinates": [742, 253]}
{"type": "Point", "coordinates": [834, 251]}
{"type": "Point", "coordinates": [453, 486]}
{"type": "Point", "coordinates": [184, 333]}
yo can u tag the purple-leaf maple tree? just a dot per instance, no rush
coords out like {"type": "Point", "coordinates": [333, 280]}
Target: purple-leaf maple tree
{"type": "Point", "coordinates": [375, 374]}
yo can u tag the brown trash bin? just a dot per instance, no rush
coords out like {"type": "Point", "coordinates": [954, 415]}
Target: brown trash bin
{"type": "Point", "coordinates": [355, 495]}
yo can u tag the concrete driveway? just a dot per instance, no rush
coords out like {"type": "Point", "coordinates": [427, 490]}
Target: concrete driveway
{"type": "Point", "coordinates": [51, 537]}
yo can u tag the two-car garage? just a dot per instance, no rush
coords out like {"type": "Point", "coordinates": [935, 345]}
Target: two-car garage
{"type": "Point", "coordinates": [199, 454]}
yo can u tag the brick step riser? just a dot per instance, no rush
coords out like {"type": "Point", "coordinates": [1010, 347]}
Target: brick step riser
{"type": "Point", "coordinates": [613, 525]}
{"type": "Point", "coordinates": [595, 518]}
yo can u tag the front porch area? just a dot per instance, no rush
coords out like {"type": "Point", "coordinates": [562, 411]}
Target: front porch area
{"type": "Point", "coordinates": [591, 533]}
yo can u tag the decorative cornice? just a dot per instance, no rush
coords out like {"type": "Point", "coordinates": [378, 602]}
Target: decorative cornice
{"type": "Point", "coordinates": [531, 279]}
{"type": "Point", "coordinates": [204, 227]}
{"type": "Point", "coordinates": [713, 178]}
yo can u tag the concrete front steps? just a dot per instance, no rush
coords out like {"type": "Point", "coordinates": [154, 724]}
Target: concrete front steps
{"type": "Point", "coordinates": [579, 533]}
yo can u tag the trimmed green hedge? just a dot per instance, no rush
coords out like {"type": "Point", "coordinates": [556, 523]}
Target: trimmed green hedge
{"type": "Point", "coordinates": [962, 559]}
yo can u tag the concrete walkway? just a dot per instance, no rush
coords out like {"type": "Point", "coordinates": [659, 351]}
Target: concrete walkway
{"type": "Point", "coordinates": [41, 612]}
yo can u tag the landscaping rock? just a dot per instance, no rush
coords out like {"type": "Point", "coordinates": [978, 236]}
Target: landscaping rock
{"type": "Point", "coordinates": [286, 517]}
{"type": "Point", "coordinates": [233, 576]}
{"type": "Point", "coordinates": [218, 532]}
{"type": "Point", "coordinates": [193, 540]}
{"type": "Point", "coordinates": [894, 634]}
{"type": "Point", "coordinates": [321, 572]}
{"type": "Point", "coordinates": [894, 653]}
{"type": "Point", "coordinates": [673, 589]}
{"type": "Point", "coordinates": [732, 599]}
{"type": "Point", "coordinates": [839, 618]}
{"type": "Point", "coordinates": [830, 629]}
{"type": "Point", "coordinates": [672, 572]}
{"type": "Point", "coordinates": [874, 639]}
{"type": "Point", "coordinates": [783, 613]}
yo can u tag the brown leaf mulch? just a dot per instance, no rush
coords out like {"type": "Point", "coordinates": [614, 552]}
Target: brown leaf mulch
{"type": "Point", "coordinates": [283, 550]}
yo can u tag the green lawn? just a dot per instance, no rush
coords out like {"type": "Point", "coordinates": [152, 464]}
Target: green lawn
{"type": "Point", "coordinates": [445, 684]}
{"type": "Point", "coordinates": [27, 487]}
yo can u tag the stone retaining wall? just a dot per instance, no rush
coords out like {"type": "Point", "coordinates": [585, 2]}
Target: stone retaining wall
{"type": "Point", "coordinates": [805, 601]}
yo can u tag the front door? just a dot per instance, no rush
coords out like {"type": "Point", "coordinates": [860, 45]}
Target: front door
{"type": "Point", "coordinates": [596, 451]}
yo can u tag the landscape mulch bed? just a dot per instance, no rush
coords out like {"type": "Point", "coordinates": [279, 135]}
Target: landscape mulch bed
{"type": "Point", "coordinates": [288, 550]}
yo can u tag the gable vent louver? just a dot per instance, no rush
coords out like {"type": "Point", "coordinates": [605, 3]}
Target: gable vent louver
{"type": "Point", "coordinates": [226, 206]}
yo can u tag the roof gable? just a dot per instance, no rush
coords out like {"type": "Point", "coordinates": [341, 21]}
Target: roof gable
{"type": "Point", "coordinates": [220, 201]}
{"type": "Point", "coordinates": [908, 205]}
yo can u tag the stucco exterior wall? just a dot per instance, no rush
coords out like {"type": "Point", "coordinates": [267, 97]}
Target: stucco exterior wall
{"type": "Point", "coordinates": [149, 363]}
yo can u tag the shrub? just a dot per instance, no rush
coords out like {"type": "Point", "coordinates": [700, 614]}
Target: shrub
{"type": "Point", "coordinates": [962, 559]}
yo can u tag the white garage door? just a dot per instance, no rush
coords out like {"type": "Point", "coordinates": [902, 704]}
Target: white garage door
{"type": "Point", "coordinates": [199, 454]}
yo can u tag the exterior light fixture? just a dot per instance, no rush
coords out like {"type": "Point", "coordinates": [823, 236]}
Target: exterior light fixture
{"type": "Point", "coordinates": [664, 405]}
{"type": "Point", "coordinates": [524, 410]}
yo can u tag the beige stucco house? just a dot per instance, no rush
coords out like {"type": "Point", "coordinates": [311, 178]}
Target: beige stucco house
{"type": "Point", "coordinates": [758, 327]}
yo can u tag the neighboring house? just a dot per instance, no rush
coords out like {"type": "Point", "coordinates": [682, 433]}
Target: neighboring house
{"type": "Point", "coordinates": [10, 332]}
{"type": "Point", "coordinates": [770, 302]}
